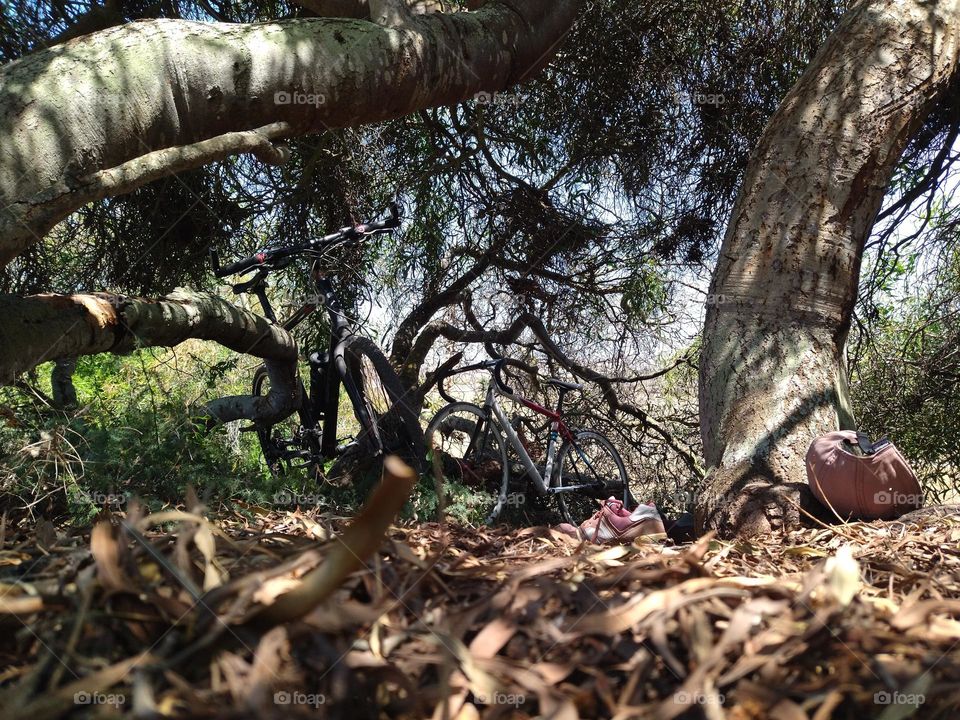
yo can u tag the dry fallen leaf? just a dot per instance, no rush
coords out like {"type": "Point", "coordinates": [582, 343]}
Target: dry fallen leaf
{"type": "Point", "coordinates": [843, 576]}
{"type": "Point", "coordinates": [492, 623]}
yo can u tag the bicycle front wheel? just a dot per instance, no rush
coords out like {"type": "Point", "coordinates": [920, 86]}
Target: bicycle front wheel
{"type": "Point", "coordinates": [472, 456]}
{"type": "Point", "coordinates": [591, 462]}
{"type": "Point", "coordinates": [394, 422]}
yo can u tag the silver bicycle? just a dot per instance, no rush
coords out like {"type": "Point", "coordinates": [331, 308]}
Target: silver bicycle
{"type": "Point", "coordinates": [470, 442]}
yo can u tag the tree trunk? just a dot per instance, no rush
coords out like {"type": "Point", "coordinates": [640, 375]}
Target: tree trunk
{"type": "Point", "coordinates": [780, 304]}
{"type": "Point", "coordinates": [87, 118]}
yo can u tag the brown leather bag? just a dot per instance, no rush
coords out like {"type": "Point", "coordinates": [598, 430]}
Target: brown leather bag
{"type": "Point", "coordinates": [859, 480]}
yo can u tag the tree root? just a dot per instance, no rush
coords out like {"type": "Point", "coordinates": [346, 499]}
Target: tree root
{"type": "Point", "coordinates": [747, 501]}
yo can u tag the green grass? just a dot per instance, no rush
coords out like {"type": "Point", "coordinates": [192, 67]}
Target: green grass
{"type": "Point", "coordinates": [134, 434]}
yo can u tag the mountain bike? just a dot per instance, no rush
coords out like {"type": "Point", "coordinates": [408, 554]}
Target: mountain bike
{"type": "Point", "coordinates": [470, 443]}
{"type": "Point", "coordinates": [386, 422]}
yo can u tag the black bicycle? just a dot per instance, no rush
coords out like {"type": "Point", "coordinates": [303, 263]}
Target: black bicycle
{"type": "Point", "coordinates": [386, 424]}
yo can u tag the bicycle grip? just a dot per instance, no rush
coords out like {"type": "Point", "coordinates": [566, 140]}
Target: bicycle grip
{"type": "Point", "coordinates": [240, 266]}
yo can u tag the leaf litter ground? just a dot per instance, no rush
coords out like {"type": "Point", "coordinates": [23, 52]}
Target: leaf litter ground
{"type": "Point", "coordinates": [168, 615]}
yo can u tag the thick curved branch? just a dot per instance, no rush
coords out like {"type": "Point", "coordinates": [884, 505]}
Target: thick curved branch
{"type": "Point", "coordinates": [58, 201]}
{"type": "Point", "coordinates": [41, 328]}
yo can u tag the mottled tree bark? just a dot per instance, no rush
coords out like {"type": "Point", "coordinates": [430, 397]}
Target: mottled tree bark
{"type": "Point", "coordinates": [782, 295]}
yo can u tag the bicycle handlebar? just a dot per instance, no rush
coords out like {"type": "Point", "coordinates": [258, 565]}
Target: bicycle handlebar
{"type": "Point", "coordinates": [494, 366]}
{"type": "Point", "coordinates": [268, 256]}
{"type": "Point", "coordinates": [234, 269]}
{"type": "Point", "coordinates": [390, 223]}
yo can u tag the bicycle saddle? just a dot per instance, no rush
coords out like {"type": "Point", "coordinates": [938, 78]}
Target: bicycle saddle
{"type": "Point", "coordinates": [564, 385]}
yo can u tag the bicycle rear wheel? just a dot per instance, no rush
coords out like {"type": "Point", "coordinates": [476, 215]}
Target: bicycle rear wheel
{"type": "Point", "coordinates": [590, 460]}
{"type": "Point", "coordinates": [472, 456]}
{"type": "Point", "coordinates": [394, 422]}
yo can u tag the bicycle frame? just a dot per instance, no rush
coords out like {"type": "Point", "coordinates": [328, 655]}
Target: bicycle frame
{"type": "Point", "coordinates": [558, 428]}
{"type": "Point", "coordinates": [322, 403]}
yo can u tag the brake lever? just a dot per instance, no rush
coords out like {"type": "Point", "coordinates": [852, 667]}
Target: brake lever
{"type": "Point", "coordinates": [257, 279]}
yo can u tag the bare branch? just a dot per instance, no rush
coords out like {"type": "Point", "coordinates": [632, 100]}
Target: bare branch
{"type": "Point", "coordinates": [98, 17]}
{"type": "Point", "coordinates": [132, 174]}
{"type": "Point", "coordinates": [402, 354]}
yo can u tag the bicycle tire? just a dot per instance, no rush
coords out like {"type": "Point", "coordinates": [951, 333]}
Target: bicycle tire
{"type": "Point", "coordinates": [397, 423]}
{"type": "Point", "coordinates": [575, 507]}
{"type": "Point", "coordinates": [464, 470]}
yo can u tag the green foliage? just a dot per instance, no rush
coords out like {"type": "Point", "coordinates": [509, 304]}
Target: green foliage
{"type": "Point", "coordinates": [132, 435]}
{"type": "Point", "coordinates": [461, 503]}
{"type": "Point", "coordinates": [645, 292]}
{"type": "Point", "coordinates": [906, 378]}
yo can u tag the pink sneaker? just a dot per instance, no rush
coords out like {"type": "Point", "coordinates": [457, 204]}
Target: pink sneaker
{"type": "Point", "coordinates": [615, 524]}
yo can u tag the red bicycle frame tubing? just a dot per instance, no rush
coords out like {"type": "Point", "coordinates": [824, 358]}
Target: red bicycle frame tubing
{"type": "Point", "coordinates": [558, 422]}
